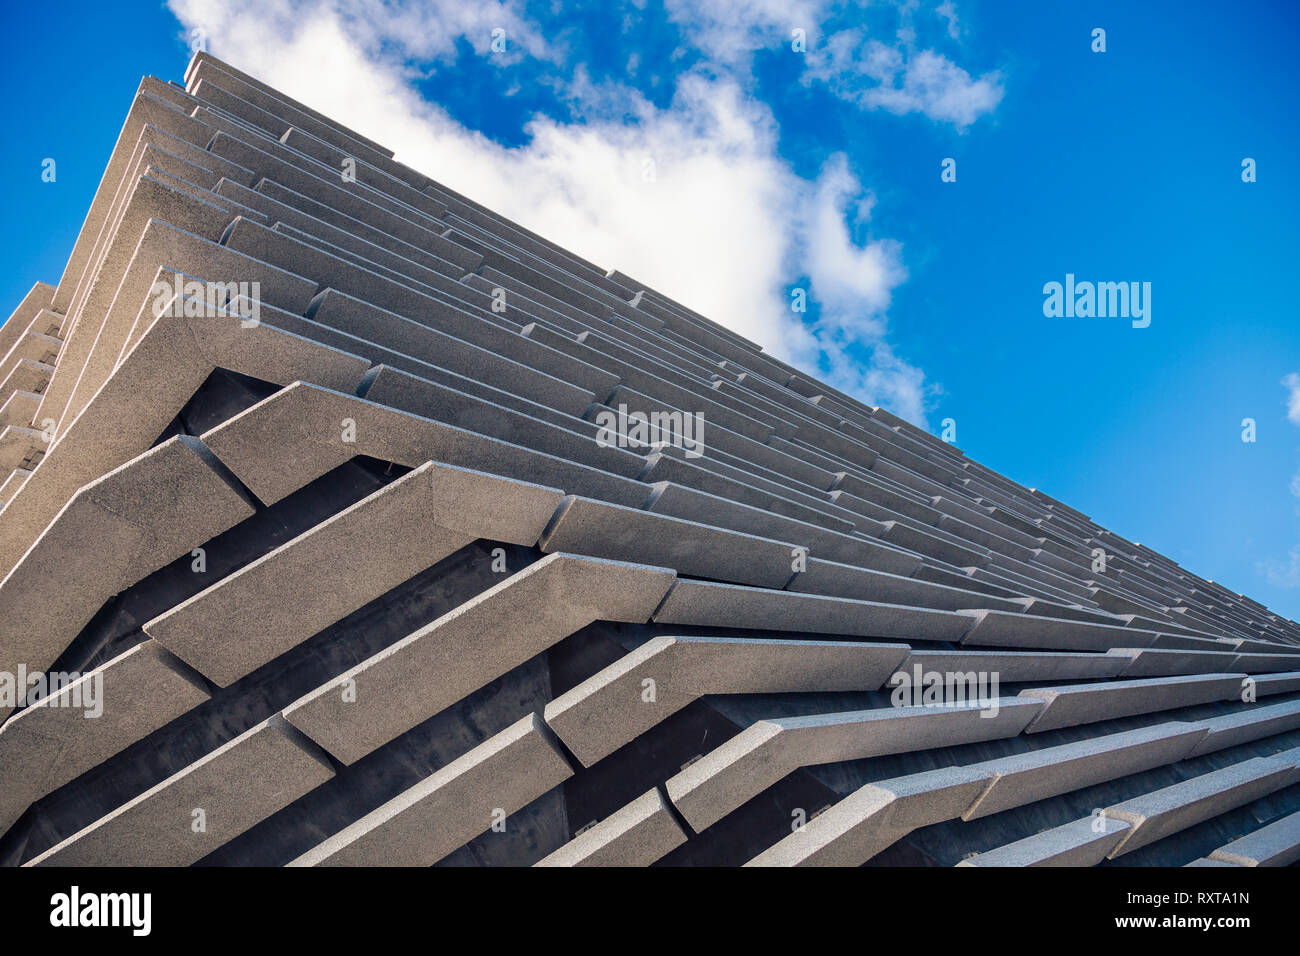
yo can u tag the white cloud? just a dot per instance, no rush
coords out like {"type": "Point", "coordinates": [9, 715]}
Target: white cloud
{"type": "Point", "coordinates": [873, 75]}
{"type": "Point", "coordinates": [948, 12]}
{"type": "Point", "coordinates": [1283, 574]}
{"type": "Point", "coordinates": [1292, 384]}
{"type": "Point", "coordinates": [897, 78]}
{"type": "Point", "coordinates": [725, 226]}
{"type": "Point", "coordinates": [730, 33]}
{"type": "Point", "coordinates": [1286, 574]}
{"type": "Point", "coordinates": [849, 278]}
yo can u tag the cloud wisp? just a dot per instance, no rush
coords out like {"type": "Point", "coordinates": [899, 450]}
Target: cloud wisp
{"type": "Point", "coordinates": [1286, 574]}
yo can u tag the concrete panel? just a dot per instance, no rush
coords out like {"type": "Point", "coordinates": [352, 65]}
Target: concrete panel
{"type": "Point", "coordinates": [1266, 684]}
{"type": "Point", "coordinates": [1154, 816]}
{"type": "Point", "coordinates": [695, 505]}
{"type": "Point", "coordinates": [37, 298]}
{"type": "Point", "coordinates": [842, 580]}
{"type": "Point", "coordinates": [1076, 704]}
{"type": "Point", "coordinates": [1158, 662]}
{"type": "Point", "coordinates": [933, 545]}
{"type": "Point", "coordinates": [1277, 844]}
{"type": "Point", "coordinates": [20, 448]}
{"type": "Point", "coordinates": [637, 835]}
{"type": "Point", "coordinates": [205, 65]}
{"type": "Point", "coordinates": [611, 708]}
{"type": "Point", "coordinates": [34, 347]}
{"type": "Point", "coordinates": [1039, 774]}
{"type": "Point", "coordinates": [331, 570]}
{"type": "Point", "coordinates": [1000, 629]}
{"type": "Point", "coordinates": [78, 727]}
{"type": "Point", "coordinates": [151, 384]}
{"type": "Point", "coordinates": [1252, 722]}
{"type": "Point", "coordinates": [762, 754]}
{"type": "Point", "coordinates": [476, 643]}
{"type": "Point", "coordinates": [145, 515]}
{"type": "Point", "coordinates": [397, 389]}
{"type": "Point", "coordinates": [298, 434]}
{"type": "Point", "coordinates": [1083, 842]}
{"type": "Point", "coordinates": [452, 806]}
{"type": "Point", "coordinates": [19, 408]}
{"type": "Point", "coordinates": [1013, 667]}
{"type": "Point", "coordinates": [236, 786]}
{"type": "Point", "coordinates": [1262, 663]}
{"type": "Point", "coordinates": [12, 483]}
{"type": "Point", "coordinates": [711, 604]}
{"type": "Point", "coordinates": [604, 530]}
{"type": "Point", "coordinates": [875, 817]}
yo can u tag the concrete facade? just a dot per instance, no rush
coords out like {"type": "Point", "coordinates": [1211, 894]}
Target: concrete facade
{"type": "Point", "coordinates": [312, 554]}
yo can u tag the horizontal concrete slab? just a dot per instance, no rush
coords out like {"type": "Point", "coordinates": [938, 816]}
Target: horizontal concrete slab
{"type": "Point", "coordinates": [466, 648]}
{"type": "Point", "coordinates": [726, 605]}
{"type": "Point", "coordinates": [842, 580]}
{"type": "Point", "coordinates": [209, 803]}
{"type": "Point", "coordinates": [637, 835]}
{"type": "Point", "coordinates": [88, 720]}
{"type": "Point", "coordinates": [1083, 842]}
{"type": "Point", "coordinates": [1001, 629]}
{"type": "Point", "coordinates": [452, 806]}
{"type": "Point", "coordinates": [604, 530]}
{"type": "Point", "coordinates": [762, 754]}
{"type": "Point", "coordinates": [1252, 721]}
{"type": "Point", "coordinates": [1156, 662]}
{"type": "Point", "coordinates": [331, 570]}
{"type": "Point", "coordinates": [153, 509]}
{"type": "Point", "coordinates": [1038, 774]}
{"type": "Point", "coordinates": [1075, 704]}
{"type": "Point", "coordinates": [665, 674]}
{"type": "Point", "coordinates": [1277, 844]}
{"type": "Point", "coordinates": [1011, 667]}
{"type": "Point", "coordinates": [1154, 816]}
{"type": "Point", "coordinates": [875, 817]}
{"type": "Point", "coordinates": [300, 433]}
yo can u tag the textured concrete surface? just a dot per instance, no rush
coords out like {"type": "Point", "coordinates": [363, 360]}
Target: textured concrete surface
{"type": "Point", "coordinates": [762, 754]}
{"type": "Point", "coordinates": [605, 530]}
{"type": "Point", "coordinates": [1277, 844]}
{"type": "Point", "coordinates": [1084, 842]}
{"type": "Point", "coordinates": [67, 733]}
{"type": "Point", "coordinates": [638, 835]}
{"type": "Point", "coordinates": [453, 805]}
{"type": "Point", "coordinates": [1012, 667]}
{"type": "Point", "coordinates": [665, 674]}
{"type": "Point", "coordinates": [875, 817]}
{"type": "Point", "coordinates": [412, 537]}
{"type": "Point", "coordinates": [283, 598]}
{"type": "Point", "coordinates": [152, 510]}
{"type": "Point", "coordinates": [214, 799]}
{"type": "Point", "coordinates": [999, 629]}
{"type": "Point", "coordinates": [1250, 722]}
{"type": "Point", "coordinates": [1032, 776]}
{"type": "Point", "coordinates": [1154, 816]}
{"type": "Point", "coordinates": [1084, 703]}
{"type": "Point", "coordinates": [726, 605]}
{"type": "Point", "coordinates": [459, 652]}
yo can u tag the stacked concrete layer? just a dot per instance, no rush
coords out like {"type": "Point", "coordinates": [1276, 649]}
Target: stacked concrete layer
{"type": "Point", "coordinates": [344, 521]}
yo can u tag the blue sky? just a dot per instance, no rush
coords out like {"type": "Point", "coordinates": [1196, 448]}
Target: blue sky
{"type": "Point", "coordinates": [688, 144]}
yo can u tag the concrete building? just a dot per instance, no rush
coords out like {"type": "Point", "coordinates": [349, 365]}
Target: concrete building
{"type": "Point", "coordinates": [347, 522]}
